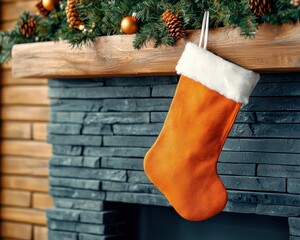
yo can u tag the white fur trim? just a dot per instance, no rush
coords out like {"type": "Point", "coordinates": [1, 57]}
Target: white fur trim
{"type": "Point", "coordinates": [228, 79]}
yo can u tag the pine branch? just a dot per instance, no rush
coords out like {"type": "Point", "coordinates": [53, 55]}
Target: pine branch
{"type": "Point", "coordinates": [9, 38]}
{"type": "Point", "coordinates": [157, 32]}
{"type": "Point", "coordinates": [104, 18]}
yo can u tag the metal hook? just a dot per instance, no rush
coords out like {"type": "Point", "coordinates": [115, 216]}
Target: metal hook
{"type": "Point", "coordinates": [204, 30]}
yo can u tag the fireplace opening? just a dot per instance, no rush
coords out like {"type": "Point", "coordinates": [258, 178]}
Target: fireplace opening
{"type": "Point", "coordinates": [162, 223]}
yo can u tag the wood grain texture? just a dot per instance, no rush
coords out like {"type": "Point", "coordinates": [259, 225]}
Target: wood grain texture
{"type": "Point", "coordinates": [41, 201]}
{"type": "Point", "coordinates": [16, 230]}
{"type": "Point", "coordinates": [8, 80]}
{"type": "Point", "coordinates": [25, 215]}
{"type": "Point", "coordinates": [25, 148]}
{"type": "Point", "coordinates": [40, 233]}
{"type": "Point", "coordinates": [16, 130]}
{"type": "Point", "coordinates": [25, 183]}
{"type": "Point", "coordinates": [11, 10]}
{"type": "Point", "coordinates": [15, 198]}
{"type": "Point", "coordinates": [40, 131]}
{"type": "Point", "coordinates": [275, 49]}
{"type": "Point", "coordinates": [6, 65]}
{"type": "Point", "coordinates": [24, 95]}
{"type": "Point", "coordinates": [25, 113]}
{"type": "Point", "coordinates": [24, 166]}
{"type": "Point", "coordinates": [7, 26]}
{"type": "Point", "coordinates": [24, 103]}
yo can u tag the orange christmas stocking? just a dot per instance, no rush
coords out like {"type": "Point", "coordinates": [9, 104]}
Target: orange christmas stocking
{"type": "Point", "coordinates": [182, 162]}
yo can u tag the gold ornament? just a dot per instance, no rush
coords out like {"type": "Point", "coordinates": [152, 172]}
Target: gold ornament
{"type": "Point", "coordinates": [261, 7]}
{"type": "Point", "coordinates": [295, 3]}
{"type": "Point", "coordinates": [173, 24]}
{"type": "Point", "coordinates": [50, 5]}
{"type": "Point", "coordinates": [41, 10]}
{"type": "Point", "coordinates": [81, 27]}
{"type": "Point", "coordinates": [129, 25]}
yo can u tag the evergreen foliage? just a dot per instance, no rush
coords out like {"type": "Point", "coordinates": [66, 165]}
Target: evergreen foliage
{"type": "Point", "coordinates": [104, 18]}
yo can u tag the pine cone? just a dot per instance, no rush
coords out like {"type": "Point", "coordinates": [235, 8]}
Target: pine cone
{"type": "Point", "coordinates": [295, 3]}
{"type": "Point", "coordinates": [29, 27]}
{"type": "Point", "coordinates": [174, 25]}
{"type": "Point", "coordinates": [41, 10]}
{"type": "Point", "coordinates": [73, 17]}
{"type": "Point", "coordinates": [261, 7]}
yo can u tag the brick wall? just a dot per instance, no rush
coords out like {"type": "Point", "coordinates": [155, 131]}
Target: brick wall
{"type": "Point", "coordinates": [24, 151]}
{"type": "Point", "coordinates": [101, 128]}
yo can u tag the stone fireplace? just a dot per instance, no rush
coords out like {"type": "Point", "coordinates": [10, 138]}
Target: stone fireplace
{"type": "Point", "coordinates": [101, 128]}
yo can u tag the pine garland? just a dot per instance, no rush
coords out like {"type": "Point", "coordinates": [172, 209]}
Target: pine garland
{"type": "Point", "coordinates": [104, 17]}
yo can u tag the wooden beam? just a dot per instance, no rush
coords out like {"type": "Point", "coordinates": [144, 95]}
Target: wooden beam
{"type": "Point", "coordinates": [11, 10]}
{"type": "Point", "coordinates": [26, 148]}
{"type": "Point", "coordinates": [40, 233]}
{"type": "Point", "coordinates": [25, 183]}
{"type": "Point", "coordinates": [8, 80]}
{"type": "Point", "coordinates": [25, 113]}
{"type": "Point", "coordinates": [40, 131]}
{"type": "Point", "coordinates": [8, 25]}
{"type": "Point", "coordinates": [15, 198]}
{"type": "Point", "coordinates": [25, 95]}
{"type": "Point", "coordinates": [24, 166]}
{"type": "Point", "coordinates": [42, 201]}
{"type": "Point", "coordinates": [275, 49]}
{"type": "Point", "coordinates": [15, 130]}
{"type": "Point", "coordinates": [25, 215]}
{"type": "Point", "coordinates": [16, 230]}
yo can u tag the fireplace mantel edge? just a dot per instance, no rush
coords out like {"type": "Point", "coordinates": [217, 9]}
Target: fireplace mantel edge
{"type": "Point", "coordinates": [275, 49]}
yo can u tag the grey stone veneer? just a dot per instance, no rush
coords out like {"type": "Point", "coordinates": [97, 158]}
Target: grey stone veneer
{"type": "Point", "coordinates": [101, 128]}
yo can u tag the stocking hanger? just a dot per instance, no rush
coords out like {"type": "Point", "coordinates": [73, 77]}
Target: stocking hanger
{"type": "Point", "coordinates": [204, 30]}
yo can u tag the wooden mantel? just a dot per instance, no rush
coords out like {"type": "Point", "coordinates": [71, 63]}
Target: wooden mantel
{"type": "Point", "coordinates": [275, 49]}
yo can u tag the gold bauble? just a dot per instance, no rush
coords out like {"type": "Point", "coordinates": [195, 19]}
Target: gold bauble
{"type": "Point", "coordinates": [129, 25]}
{"type": "Point", "coordinates": [81, 27]}
{"type": "Point", "coordinates": [50, 4]}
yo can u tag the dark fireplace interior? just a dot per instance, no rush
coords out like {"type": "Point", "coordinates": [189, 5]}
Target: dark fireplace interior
{"type": "Point", "coordinates": [162, 223]}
